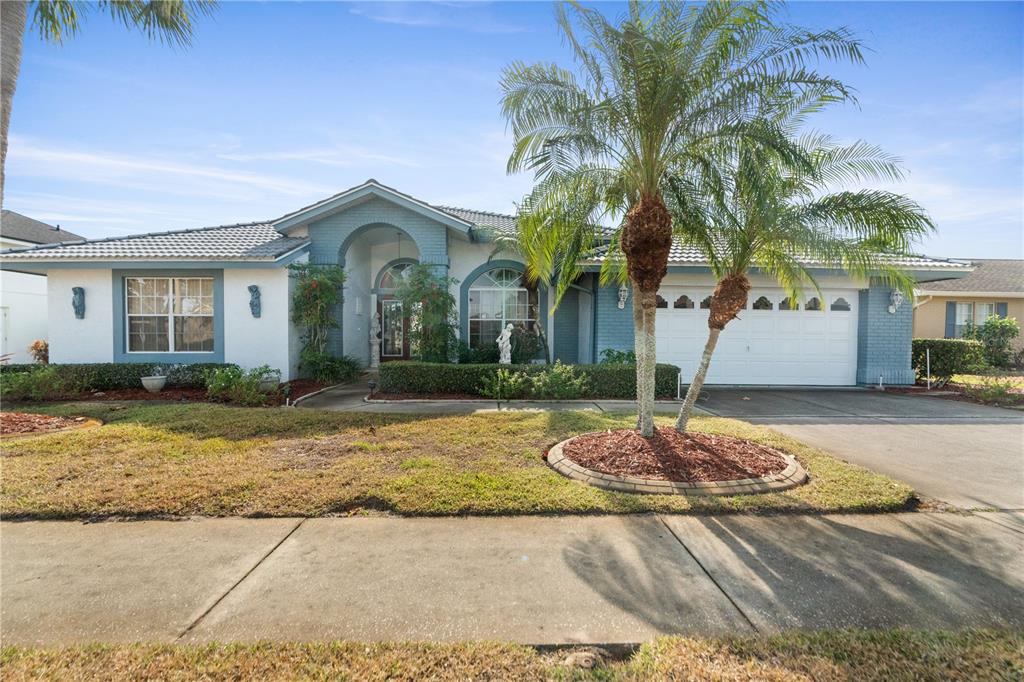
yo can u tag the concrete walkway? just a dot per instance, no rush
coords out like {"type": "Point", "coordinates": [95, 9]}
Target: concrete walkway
{"type": "Point", "coordinates": [525, 579]}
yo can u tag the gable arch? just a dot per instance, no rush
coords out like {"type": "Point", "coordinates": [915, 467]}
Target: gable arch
{"type": "Point", "coordinates": [355, 235]}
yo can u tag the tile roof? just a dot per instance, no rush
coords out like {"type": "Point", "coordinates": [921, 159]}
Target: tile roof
{"type": "Point", "coordinates": [496, 221]}
{"type": "Point", "coordinates": [21, 227]}
{"type": "Point", "coordinates": [1003, 276]}
{"type": "Point", "coordinates": [684, 254]}
{"type": "Point", "coordinates": [247, 241]}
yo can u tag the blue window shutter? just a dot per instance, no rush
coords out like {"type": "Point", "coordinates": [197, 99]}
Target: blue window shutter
{"type": "Point", "coordinates": [1001, 309]}
{"type": "Point", "coordinates": [950, 320]}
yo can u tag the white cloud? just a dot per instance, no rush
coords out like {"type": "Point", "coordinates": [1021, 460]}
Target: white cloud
{"type": "Point", "coordinates": [327, 157]}
{"type": "Point", "coordinates": [464, 16]}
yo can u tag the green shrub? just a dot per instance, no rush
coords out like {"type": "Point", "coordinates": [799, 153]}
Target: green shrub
{"type": "Point", "coordinates": [948, 357]}
{"type": "Point", "coordinates": [109, 376]}
{"type": "Point", "coordinates": [45, 383]}
{"type": "Point", "coordinates": [326, 368]}
{"type": "Point", "coordinates": [996, 334]}
{"type": "Point", "coordinates": [605, 381]}
{"type": "Point", "coordinates": [618, 357]}
{"type": "Point", "coordinates": [994, 391]}
{"type": "Point", "coordinates": [505, 384]}
{"type": "Point", "coordinates": [433, 336]}
{"type": "Point", "coordinates": [235, 385]}
{"type": "Point", "coordinates": [478, 356]}
{"type": "Point", "coordinates": [558, 382]}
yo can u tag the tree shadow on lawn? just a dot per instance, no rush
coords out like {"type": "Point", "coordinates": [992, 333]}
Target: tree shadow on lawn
{"type": "Point", "coordinates": [810, 572]}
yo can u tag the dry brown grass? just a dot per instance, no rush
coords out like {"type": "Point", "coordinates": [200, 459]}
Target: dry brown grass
{"type": "Point", "coordinates": [198, 459]}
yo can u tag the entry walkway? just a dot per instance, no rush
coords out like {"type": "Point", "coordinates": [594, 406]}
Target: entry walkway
{"type": "Point", "coordinates": [537, 580]}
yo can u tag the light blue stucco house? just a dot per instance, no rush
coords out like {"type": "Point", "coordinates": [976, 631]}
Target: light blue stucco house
{"type": "Point", "coordinates": [222, 294]}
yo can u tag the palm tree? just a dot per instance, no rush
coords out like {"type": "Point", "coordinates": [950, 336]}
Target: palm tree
{"type": "Point", "coordinates": [656, 96]}
{"type": "Point", "coordinates": [781, 219]}
{"type": "Point", "coordinates": [169, 21]}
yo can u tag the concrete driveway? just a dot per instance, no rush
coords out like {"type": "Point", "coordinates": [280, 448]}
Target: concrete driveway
{"type": "Point", "coordinates": [968, 455]}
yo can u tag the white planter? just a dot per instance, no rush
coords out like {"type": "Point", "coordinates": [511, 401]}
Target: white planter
{"type": "Point", "coordinates": [154, 384]}
{"type": "Point", "coordinates": [269, 384]}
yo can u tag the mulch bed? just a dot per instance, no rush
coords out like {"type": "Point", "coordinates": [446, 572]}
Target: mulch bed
{"type": "Point", "coordinates": [299, 387]}
{"type": "Point", "coordinates": [16, 423]}
{"type": "Point", "coordinates": [672, 456]}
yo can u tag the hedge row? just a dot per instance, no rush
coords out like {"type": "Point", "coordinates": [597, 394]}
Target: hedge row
{"type": "Point", "coordinates": [606, 380]}
{"type": "Point", "coordinates": [108, 376]}
{"type": "Point", "coordinates": [948, 357]}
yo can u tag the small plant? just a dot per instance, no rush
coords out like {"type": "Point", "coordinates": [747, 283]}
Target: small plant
{"type": "Point", "coordinates": [995, 334]}
{"type": "Point", "coordinates": [561, 382]}
{"type": "Point", "coordinates": [505, 384]}
{"type": "Point", "coordinates": [526, 344]}
{"type": "Point", "coordinates": [427, 295]}
{"type": "Point", "coordinates": [994, 391]}
{"type": "Point", "coordinates": [948, 357]}
{"type": "Point", "coordinates": [326, 368]}
{"type": "Point", "coordinates": [488, 355]}
{"type": "Point", "coordinates": [618, 357]}
{"type": "Point", "coordinates": [235, 385]}
{"type": "Point", "coordinates": [40, 351]}
{"type": "Point", "coordinates": [46, 383]}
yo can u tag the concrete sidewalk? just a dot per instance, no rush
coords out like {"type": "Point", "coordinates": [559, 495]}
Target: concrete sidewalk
{"type": "Point", "coordinates": [525, 579]}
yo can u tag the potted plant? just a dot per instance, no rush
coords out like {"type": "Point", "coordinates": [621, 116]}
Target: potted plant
{"type": "Point", "coordinates": [270, 380]}
{"type": "Point", "coordinates": [156, 382]}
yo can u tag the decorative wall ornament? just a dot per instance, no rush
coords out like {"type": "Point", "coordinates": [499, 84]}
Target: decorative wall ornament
{"type": "Point", "coordinates": [255, 304]}
{"type": "Point", "coordinates": [895, 301]}
{"type": "Point", "coordinates": [505, 345]}
{"type": "Point", "coordinates": [375, 340]}
{"type": "Point", "coordinates": [623, 295]}
{"type": "Point", "coordinates": [78, 302]}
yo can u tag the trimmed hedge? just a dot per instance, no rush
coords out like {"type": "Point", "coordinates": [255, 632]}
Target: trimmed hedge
{"type": "Point", "coordinates": [949, 357]}
{"type": "Point", "coordinates": [606, 380]}
{"type": "Point", "coordinates": [107, 376]}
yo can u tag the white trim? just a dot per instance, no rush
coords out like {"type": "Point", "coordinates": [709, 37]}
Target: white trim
{"type": "Point", "coordinates": [170, 315]}
{"type": "Point", "coordinates": [939, 293]}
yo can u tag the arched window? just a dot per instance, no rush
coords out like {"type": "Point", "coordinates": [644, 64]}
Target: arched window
{"type": "Point", "coordinates": [391, 277]}
{"type": "Point", "coordinates": [706, 303]}
{"type": "Point", "coordinates": [788, 303]}
{"type": "Point", "coordinates": [763, 303]}
{"type": "Point", "coordinates": [496, 298]}
{"type": "Point", "coordinates": [661, 303]}
{"type": "Point", "coordinates": [683, 302]}
{"type": "Point", "coordinates": [840, 304]}
{"type": "Point", "coordinates": [813, 304]}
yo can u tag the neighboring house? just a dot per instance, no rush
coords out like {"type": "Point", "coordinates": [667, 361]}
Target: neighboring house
{"type": "Point", "coordinates": [946, 307]}
{"type": "Point", "coordinates": [23, 295]}
{"type": "Point", "coordinates": [185, 297]}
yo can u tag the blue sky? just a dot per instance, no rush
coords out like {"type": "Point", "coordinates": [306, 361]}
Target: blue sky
{"type": "Point", "coordinates": [280, 104]}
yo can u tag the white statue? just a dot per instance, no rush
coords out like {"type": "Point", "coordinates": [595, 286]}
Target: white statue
{"type": "Point", "coordinates": [505, 345]}
{"type": "Point", "coordinates": [375, 340]}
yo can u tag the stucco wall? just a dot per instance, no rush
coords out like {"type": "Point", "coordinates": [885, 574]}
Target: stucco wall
{"type": "Point", "coordinates": [23, 299]}
{"type": "Point", "coordinates": [356, 307]}
{"type": "Point", "coordinates": [250, 341]}
{"type": "Point", "coordinates": [930, 317]}
{"type": "Point", "coordinates": [89, 339]}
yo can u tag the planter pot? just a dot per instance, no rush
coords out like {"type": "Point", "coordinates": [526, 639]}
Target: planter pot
{"type": "Point", "coordinates": [154, 384]}
{"type": "Point", "coordinates": [269, 384]}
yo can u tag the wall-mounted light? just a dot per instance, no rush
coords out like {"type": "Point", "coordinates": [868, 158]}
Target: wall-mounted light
{"type": "Point", "coordinates": [78, 302]}
{"type": "Point", "coordinates": [895, 301]}
{"type": "Point", "coordinates": [623, 295]}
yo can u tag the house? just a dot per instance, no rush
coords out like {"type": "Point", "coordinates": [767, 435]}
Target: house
{"type": "Point", "coordinates": [23, 295]}
{"type": "Point", "coordinates": [185, 297]}
{"type": "Point", "coordinates": [945, 307]}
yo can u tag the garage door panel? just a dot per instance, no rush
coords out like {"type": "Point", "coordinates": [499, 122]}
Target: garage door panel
{"type": "Point", "coordinates": [799, 347]}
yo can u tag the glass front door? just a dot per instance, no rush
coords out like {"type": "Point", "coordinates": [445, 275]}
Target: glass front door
{"type": "Point", "coordinates": [394, 342]}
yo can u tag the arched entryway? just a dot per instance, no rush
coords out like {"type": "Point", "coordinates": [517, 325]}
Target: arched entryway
{"type": "Point", "coordinates": [395, 322]}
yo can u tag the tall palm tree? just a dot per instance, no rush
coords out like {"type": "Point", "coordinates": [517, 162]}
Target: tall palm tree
{"type": "Point", "coordinates": [169, 21]}
{"type": "Point", "coordinates": [655, 96]}
{"type": "Point", "coordinates": [782, 219]}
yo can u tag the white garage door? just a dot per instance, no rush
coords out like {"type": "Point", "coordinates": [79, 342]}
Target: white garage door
{"type": "Point", "coordinates": [807, 342]}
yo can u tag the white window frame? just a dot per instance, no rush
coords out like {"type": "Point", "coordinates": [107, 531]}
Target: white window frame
{"type": "Point", "coordinates": [172, 293]}
{"type": "Point", "coordinates": [504, 302]}
{"type": "Point", "coordinates": [979, 318]}
{"type": "Point", "coordinates": [961, 321]}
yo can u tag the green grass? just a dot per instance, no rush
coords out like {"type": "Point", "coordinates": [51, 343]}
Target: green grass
{"type": "Point", "coordinates": [900, 655]}
{"type": "Point", "coordinates": [1013, 377]}
{"type": "Point", "coordinates": [200, 459]}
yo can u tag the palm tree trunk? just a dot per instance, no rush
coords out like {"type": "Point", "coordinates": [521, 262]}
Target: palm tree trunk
{"type": "Point", "coordinates": [693, 392]}
{"type": "Point", "coordinates": [644, 313]}
{"type": "Point", "coordinates": [13, 14]}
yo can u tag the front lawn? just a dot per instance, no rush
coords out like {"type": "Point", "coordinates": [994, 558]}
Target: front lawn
{"type": "Point", "coordinates": [197, 459]}
{"type": "Point", "coordinates": [836, 655]}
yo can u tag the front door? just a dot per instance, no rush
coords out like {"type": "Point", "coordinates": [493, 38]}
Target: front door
{"type": "Point", "coordinates": [394, 329]}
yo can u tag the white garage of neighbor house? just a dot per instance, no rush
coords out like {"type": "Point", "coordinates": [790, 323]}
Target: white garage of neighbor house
{"type": "Point", "coordinates": [185, 296]}
{"type": "Point", "coordinates": [23, 295]}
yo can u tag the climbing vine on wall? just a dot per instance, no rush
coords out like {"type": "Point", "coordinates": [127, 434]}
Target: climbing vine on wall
{"type": "Point", "coordinates": [315, 299]}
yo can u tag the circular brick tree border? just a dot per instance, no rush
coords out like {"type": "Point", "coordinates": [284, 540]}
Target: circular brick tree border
{"type": "Point", "coordinates": [790, 477]}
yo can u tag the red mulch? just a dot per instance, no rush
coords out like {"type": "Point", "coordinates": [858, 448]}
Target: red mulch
{"type": "Point", "coordinates": [672, 456]}
{"type": "Point", "coordinates": [24, 422]}
{"type": "Point", "coordinates": [426, 396]}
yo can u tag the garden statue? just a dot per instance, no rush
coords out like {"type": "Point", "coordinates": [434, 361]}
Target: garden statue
{"type": "Point", "coordinates": [255, 306]}
{"type": "Point", "coordinates": [375, 340]}
{"type": "Point", "coordinates": [505, 345]}
{"type": "Point", "coordinates": [78, 301]}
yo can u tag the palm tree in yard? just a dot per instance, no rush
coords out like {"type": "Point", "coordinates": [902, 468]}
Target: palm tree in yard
{"type": "Point", "coordinates": [167, 20]}
{"type": "Point", "coordinates": [656, 97]}
{"type": "Point", "coordinates": [780, 219]}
